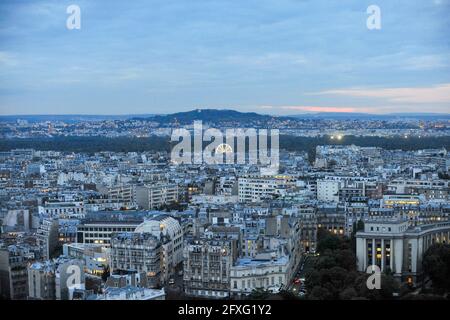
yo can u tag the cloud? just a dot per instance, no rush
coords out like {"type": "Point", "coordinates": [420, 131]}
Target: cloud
{"type": "Point", "coordinates": [432, 94]}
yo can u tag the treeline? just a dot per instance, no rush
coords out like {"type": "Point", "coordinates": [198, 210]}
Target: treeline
{"type": "Point", "coordinates": [309, 144]}
{"type": "Point", "coordinates": [290, 143]}
{"type": "Point", "coordinates": [89, 144]}
{"type": "Point", "coordinates": [335, 277]}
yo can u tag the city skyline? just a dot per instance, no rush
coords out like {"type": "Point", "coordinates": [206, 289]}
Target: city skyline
{"type": "Point", "coordinates": [288, 57]}
{"type": "Point", "coordinates": [218, 158]}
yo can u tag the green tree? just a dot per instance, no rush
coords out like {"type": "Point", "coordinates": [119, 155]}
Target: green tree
{"type": "Point", "coordinates": [320, 293]}
{"type": "Point", "coordinates": [259, 294]}
{"type": "Point", "coordinates": [436, 265]}
{"type": "Point", "coordinates": [329, 242]}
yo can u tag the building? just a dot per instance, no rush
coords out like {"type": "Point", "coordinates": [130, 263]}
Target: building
{"type": "Point", "coordinates": [394, 245]}
{"type": "Point", "coordinates": [95, 257]}
{"type": "Point", "coordinates": [283, 234]}
{"type": "Point", "coordinates": [207, 264]}
{"type": "Point", "coordinates": [13, 272]}
{"type": "Point", "coordinates": [255, 189]}
{"type": "Point", "coordinates": [432, 188]}
{"type": "Point", "coordinates": [137, 279]}
{"type": "Point", "coordinates": [69, 275]}
{"type": "Point", "coordinates": [62, 209]}
{"type": "Point", "coordinates": [35, 169]}
{"type": "Point", "coordinates": [156, 195]}
{"type": "Point", "coordinates": [402, 200]}
{"type": "Point", "coordinates": [328, 190]}
{"type": "Point", "coordinates": [125, 193]}
{"type": "Point", "coordinates": [98, 227]}
{"type": "Point", "coordinates": [331, 217]}
{"type": "Point", "coordinates": [55, 279]}
{"type": "Point", "coordinates": [307, 215]}
{"type": "Point", "coordinates": [20, 220]}
{"type": "Point", "coordinates": [137, 252]}
{"type": "Point", "coordinates": [41, 280]}
{"type": "Point", "coordinates": [170, 234]}
{"type": "Point", "coordinates": [341, 188]}
{"type": "Point", "coordinates": [265, 271]}
{"type": "Point", "coordinates": [47, 236]}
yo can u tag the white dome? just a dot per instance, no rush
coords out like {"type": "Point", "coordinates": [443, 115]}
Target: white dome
{"type": "Point", "coordinates": [161, 224]}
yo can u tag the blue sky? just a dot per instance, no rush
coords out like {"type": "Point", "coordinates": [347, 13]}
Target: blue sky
{"type": "Point", "coordinates": [279, 56]}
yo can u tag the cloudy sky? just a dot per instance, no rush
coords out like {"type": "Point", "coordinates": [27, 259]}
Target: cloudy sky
{"type": "Point", "coordinates": [278, 56]}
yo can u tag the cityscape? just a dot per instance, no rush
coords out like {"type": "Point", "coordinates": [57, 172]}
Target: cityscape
{"type": "Point", "coordinates": [139, 226]}
{"type": "Point", "coordinates": [183, 165]}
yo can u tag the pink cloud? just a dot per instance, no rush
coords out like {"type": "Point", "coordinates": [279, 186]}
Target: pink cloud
{"type": "Point", "coordinates": [319, 108]}
{"type": "Point", "coordinates": [432, 94]}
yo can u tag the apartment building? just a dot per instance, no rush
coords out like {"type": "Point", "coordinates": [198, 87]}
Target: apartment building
{"type": "Point", "coordinates": [125, 193]}
{"type": "Point", "coordinates": [207, 264]}
{"type": "Point", "coordinates": [170, 234]}
{"type": "Point", "coordinates": [13, 272]}
{"type": "Point", "coordinates": [62, 209]}
{"type": "Point", "coordinates": [154, 196]}
{"type": "Point", "coordinates": [265, 271]}
{"type": "Point", "coordinates": [47, 237]}
{"type": "Point", "coordinates": [256, 189]}
{"type": "Point", "coordinates": [137, 252]}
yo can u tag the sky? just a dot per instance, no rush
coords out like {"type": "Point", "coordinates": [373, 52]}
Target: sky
{"type": "Point", "coordinates": [273, 57]}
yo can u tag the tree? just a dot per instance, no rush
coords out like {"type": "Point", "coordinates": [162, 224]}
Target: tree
{"type": "Point", "coordinates": [326, 261]}
{"type": "Point", "coordinates": [259, 294]}
{"type": "Point", "coordinates": [288, 295]}
{"type": "Point", "coordinates": [335, 276]}
{"type": "Point", "coordinates": [436, 265]}
{"type": "Point", "coordinates": [329, 242]}
{"type": "Point", "coordinates": [389, 285]}
{"type": "Point", "coordinates": [346, 259]}
{"type": "Point", "coordinates": [320, 293]}
{"type": "Point", "coordinates": [348, 294]}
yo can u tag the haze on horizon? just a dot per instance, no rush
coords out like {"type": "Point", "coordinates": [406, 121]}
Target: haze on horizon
{"type": "Point", "coordinates": [273, 57]}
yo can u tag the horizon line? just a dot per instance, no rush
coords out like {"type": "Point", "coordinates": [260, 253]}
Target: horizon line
{"type": "Point", "coordinates": [225, 109]}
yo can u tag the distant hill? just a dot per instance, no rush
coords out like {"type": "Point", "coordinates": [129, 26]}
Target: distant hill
{"type": "Point", "coordinates": [223, 116]}
{"type": "Point", "coordinates": [69, 118]}
{"type": "Point", "coordinates": [211, 116]}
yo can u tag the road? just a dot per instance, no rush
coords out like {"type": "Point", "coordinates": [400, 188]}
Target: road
{"type": "Point", "coordinates": [306, 265]}
{"type": "Point", "coordinates": [175, 291]}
